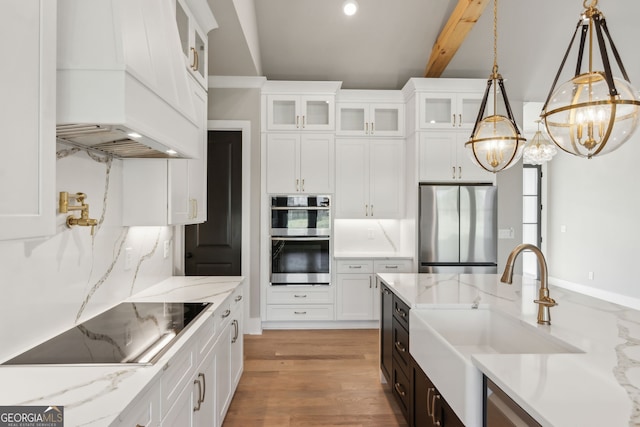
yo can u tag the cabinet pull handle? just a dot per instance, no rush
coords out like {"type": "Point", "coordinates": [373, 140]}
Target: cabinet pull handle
{"type": "Point", "coordinates": [391, 266]}
{"type": "Point", "coordinates": [433, 405]}
{"type": "Point", "coordinates": [372, 128]}
{"type": "Point", "coordinates": [459, 120]}
{"type": "Point", "coordinates": [300, 296]}
{"type": "Point", "coordinates": [398, 388]}
{"type": "Point", "coordinates": [302, 184]}
{"type": "Point", "coordinates": [199, 403]}
{"type": "Point", "coordinates": [366, 128]}
{"type": "Point", "coordinates": [194, 62]}
{"type": "Point", "coordinates": [297, 184]}
{"type": "Point", "coordinates": [371, 210]}
{"type": "Point", "coordinates": [453, 120]}
{"type": "Point", "coordinates": [459, 172]}
{"type": "Point", "coordinates": [238, 298]}
{"type": "Point", "coordinates": [453, 172]}
{"type": "Point", "coordinates": [401, 312]}
{"type": "Point", "coordinates": [299, 312]}
{"type": "Point", "coordinates": [429, 409]}
{"type": "Point", "coordinates": [400, 347]}
{"type": "Point", "coordinates": [204, 385]}
{"type": "Point", "coordinates": [370, 284]}
{"type": "Point", "coordinates": [303, 126]}
{"type": "Point", "coordinates": [366, 210]}
{"type": "Point", "coordinates": [355, 266]}
{"type": "Point", "coordinates": [237, 331]}
{"type": "Point", "coordinates": [226, 313]}
{"type": "Point", "coordinates": [386, 291]}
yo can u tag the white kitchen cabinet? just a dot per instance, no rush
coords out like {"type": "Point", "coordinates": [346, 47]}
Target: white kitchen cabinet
{"type": "Point", "coordinates": [300, 163]}
{"type": "Point", "coordinates": [228, 352]}
{"type": "Point", "coordinates": [144, 411]}
{"type": "Point", "coordinates": [369, 178]}
{"type": "Point", "coordinates": [357, 287]}
{"type": "Point", "coordinates": [370, 119]}
{"type": "Point", "coordinates": [179, 195]}
{"type": "Point", "coordinates": [300, 112]}
{"type": "Point", "coordinates": [193, 38]}
{"type": "Point", "coordinates": [444, 158]}
{"type": "Point", "coordinates": [449, 110]}
{"type": "Point", "coordinates": [28, 87]}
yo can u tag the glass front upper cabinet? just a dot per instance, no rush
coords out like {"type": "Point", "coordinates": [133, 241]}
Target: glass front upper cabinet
{"type": "Point", "coordinates": [449, 111]}
{"type": "Point", "coordinates": [365, 119]}
{"type": "Point", "coordinates": [293, 112]}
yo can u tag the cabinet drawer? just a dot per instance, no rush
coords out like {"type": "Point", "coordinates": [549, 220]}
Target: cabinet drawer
{"type": "Point", "coordinates": [300, 295]}
{"type": "Point", "coordinates": [300, 312]}
{"type": "Point", "coordinates": [402, 389]}
{"type": "Point", "coordinates": [393, 266]}
{"type": "Point", "coordinates": [177, 373]}
{"type": "Point", "coordinates": [362, 266]}
{"type": "Point", "coordinates": [144, 410]}
{"type": "Point", "coordinates": [205, 338]}
{"type": "Point", "coordinates": [401, 347]}
{"type": "Point", "coordinates": [401, 311]}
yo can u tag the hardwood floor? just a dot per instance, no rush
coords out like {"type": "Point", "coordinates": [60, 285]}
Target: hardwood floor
{"type": "Point", "coordinates": [312, 378]}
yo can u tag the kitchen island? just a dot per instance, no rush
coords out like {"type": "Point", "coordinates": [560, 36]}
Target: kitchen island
{"type": "Point", "coordinates": [594, 387]}
{"type": "Point", "coordinates": [97, 395]}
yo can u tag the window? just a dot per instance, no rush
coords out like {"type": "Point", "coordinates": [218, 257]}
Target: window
{"type": "Point", "coordinates": [531, 215]}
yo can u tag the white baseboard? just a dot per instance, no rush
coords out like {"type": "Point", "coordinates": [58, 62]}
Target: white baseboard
{"type": "Point", "coordinates": [340, 324]}
{"type": "Point", "coordinates": [622, 300]}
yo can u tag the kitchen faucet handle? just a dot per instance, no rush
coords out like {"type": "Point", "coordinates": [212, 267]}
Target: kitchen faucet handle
{"type": "Point", "coordinates": [546, 301]}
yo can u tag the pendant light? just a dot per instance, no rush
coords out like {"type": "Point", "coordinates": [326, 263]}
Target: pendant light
{"type": "Point", "coordinates": [593, 113]}
{"type": "Point", "coordinates": [495, 143]}
{"type": "Point", "coordinates": [539, 149]}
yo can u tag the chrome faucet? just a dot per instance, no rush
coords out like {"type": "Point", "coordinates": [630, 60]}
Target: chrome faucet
{"type": "Point", "coordinates": [544, 301]}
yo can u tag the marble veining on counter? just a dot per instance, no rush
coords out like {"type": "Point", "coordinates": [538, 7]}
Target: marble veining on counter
{"type": "Point", "coordinates": [94, 395]}
{"type": "Point", "coordinates": [598, 387]}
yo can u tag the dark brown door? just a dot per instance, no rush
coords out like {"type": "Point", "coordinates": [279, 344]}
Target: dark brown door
{"type": "Point", "coordinates": [214, 248]}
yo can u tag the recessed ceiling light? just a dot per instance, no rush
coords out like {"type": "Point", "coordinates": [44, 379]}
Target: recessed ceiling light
{"type": "Point", "coordinates": [350, 7]}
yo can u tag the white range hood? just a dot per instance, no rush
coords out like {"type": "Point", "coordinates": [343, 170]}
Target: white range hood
{"type": "Point", "coordinates": [122, 83]}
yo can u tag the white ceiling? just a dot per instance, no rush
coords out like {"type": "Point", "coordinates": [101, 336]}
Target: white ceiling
{"type": "Point", "coordinates": [387, 41]}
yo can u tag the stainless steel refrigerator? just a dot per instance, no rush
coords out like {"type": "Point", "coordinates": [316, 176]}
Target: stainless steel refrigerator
{"type": "Point", "coordinates": [458, 228]}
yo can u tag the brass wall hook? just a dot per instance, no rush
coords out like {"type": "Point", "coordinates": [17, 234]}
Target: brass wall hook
{"type": "Point", "coordinates": [84, 219]}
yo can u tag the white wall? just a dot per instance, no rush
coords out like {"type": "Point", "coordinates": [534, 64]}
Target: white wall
{"type": "Point", "coordinates": [598, 201]}
{"type": "Point", "coordinates": [50, 284]}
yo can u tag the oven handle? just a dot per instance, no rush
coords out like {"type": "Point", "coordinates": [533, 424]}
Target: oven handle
{"type": "Point", "coordinates": [300, 208]}
{"type": "Point", "coordinates": [300, 239]}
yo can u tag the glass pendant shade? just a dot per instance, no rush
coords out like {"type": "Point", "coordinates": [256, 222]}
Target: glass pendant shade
{"type": "Point", "coordinates": [593, 113]}
{"type": "Point", "coordinates": [496, 143]}
{"type": "Point", "coordinates": [538, 150]}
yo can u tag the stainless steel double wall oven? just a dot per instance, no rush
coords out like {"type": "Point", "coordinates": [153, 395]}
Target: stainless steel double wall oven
{"type": "Point", "coordinates": [300, 240]}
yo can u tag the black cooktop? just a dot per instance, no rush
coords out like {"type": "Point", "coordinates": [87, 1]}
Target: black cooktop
{"type": "Point", "coordinates": [132, 332]}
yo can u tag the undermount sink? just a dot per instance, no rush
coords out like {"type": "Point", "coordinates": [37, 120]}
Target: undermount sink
{"type": "Point", "coordinates": [443, 340]}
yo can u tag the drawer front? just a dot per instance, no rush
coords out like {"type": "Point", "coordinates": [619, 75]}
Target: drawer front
{"type": "Point", "coordinates": [362, 266]}
{"type": "Point", "coordinates": [401, 311]}
{"type": "Point", "coordinates": [300, 295]}
{"type": "Point", "coordinates": [177, 373]}
{"type": "Point", "coordinates": [145, 411]}
{"type": "Point", "coordinates": [401, 347]}
{"type": "Point", "coordinates": [402, 390]}
{"type": "Point", "coordinates": [393, 266]}
{"type": "Point", "coordinates": [300, 312]}
{"type": "Point", "coordinates": [205, 338]}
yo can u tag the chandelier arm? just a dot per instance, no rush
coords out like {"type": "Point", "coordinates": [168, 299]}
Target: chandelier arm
{"type": "Point", "coordinates": [508, 106]}
{"type": "Point", "coordinates": [583, 39]}
{"type": "Point", "coordinates": [564, 60]}
{"type": "Point", "coordinates": [605, 57]}
{"type": "Point", "coordinates": [483, 106]}
{"type": "Point", "coordinates": [605, 28]}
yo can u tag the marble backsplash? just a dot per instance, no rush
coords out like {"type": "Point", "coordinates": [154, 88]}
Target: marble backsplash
{"type": "Point", "coordinates": [50, 284]}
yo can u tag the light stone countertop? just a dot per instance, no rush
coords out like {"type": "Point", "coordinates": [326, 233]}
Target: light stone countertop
{"type": "Point", "coordinates": [600, 387]}
{"type": "Point", "coordinates": [370, 255]}
{"type": "Point", "coordinates": [94, 395]}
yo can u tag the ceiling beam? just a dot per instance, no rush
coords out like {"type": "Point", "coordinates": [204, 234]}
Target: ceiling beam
{"type": "Point", "coordinates": [462, 19]}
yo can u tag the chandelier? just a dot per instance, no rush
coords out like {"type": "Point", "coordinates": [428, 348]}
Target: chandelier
{"type": "Point", "coordinates": [495, 143]}
{"type": "Point", "coordinates": [593, 113]}
{"type": "Point", "coordinates": [539, 149]}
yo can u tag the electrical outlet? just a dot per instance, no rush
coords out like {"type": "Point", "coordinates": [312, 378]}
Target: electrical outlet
{"type": "Point", "coordinates": [591, 275]}
{"type": "Point", "coordinates": [167, 246]}
{"type": "Point", "coordinates": [128, 258]}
